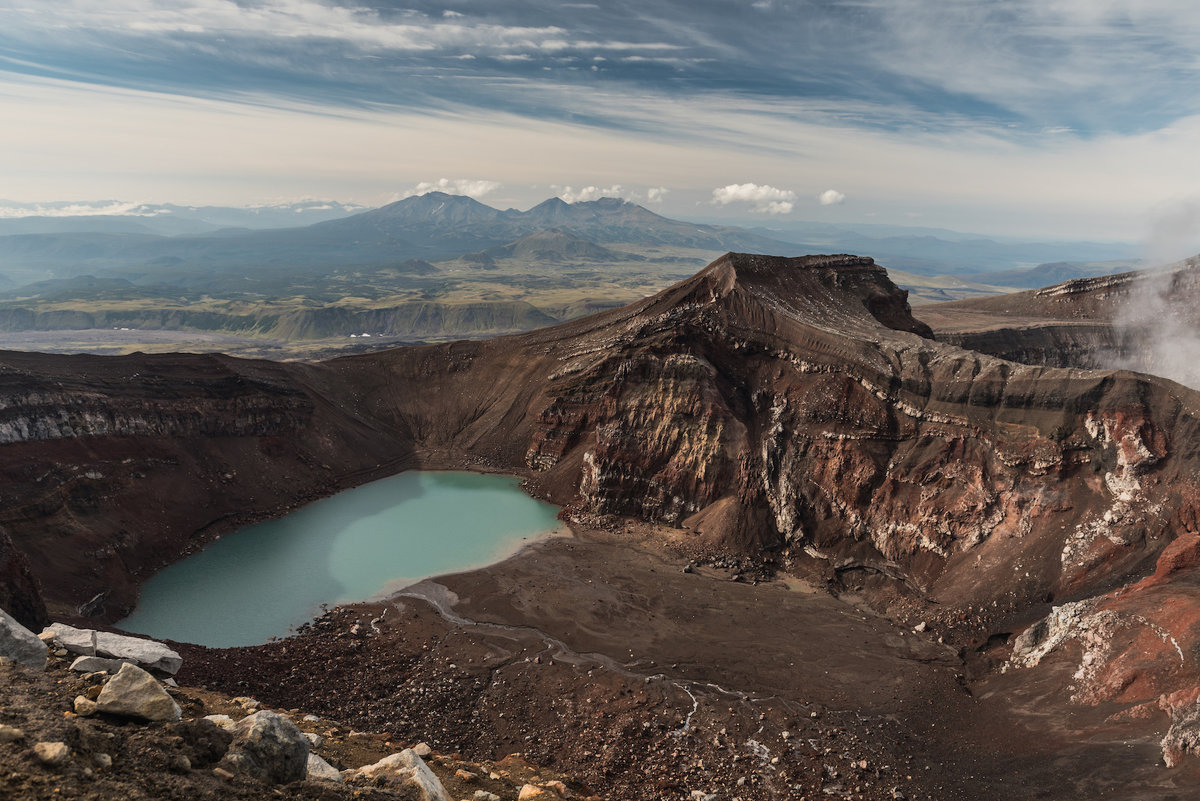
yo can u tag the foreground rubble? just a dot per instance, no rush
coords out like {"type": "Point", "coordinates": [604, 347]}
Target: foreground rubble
{"type": "Point", "coordinates": [91, 735]}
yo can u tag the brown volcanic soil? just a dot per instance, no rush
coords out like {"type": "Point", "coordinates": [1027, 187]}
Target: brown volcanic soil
{"type": "Point", "coordinates": [146, 760]}
{"type": "Point", "coordinates": [598, 657]}
{"type": "Point", "coordinates": [645, 692]}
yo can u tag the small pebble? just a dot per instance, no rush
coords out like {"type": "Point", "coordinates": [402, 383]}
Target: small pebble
{"type": "Point", "coordinates": [51, 754]}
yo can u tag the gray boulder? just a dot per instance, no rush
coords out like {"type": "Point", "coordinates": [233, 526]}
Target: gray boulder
{"type": "Point", "coordinates": [268, 747]}
{"type": "Point", "coordinates": [134, 693]}
{"type": "Point", "coordinates": [404, 768]}
{"type": "Point", "coordinates": [20, 644]}
{"type": "Point", "coordinates": [321, 771]}
{"type": "Point", "coordinates": [96, 664]}
{"type": "Point", "coordinates": [147, 653]}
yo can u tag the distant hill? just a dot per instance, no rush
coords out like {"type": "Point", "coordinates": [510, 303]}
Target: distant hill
{"type": "Point", "coordinates": [1054, 273]}
{"type": "Point", "coordinates": [554, 244]}
{"type": "Point", "coordinates": [444, 224]}
{"type": "Point", "coordinates": [935, 251]}
{"type": "Point", "coordinates": [430, 227]}
{"type": "Point", "coordinates": [104, 224]}
{"type": "Point", "coordinates": [165, 219]}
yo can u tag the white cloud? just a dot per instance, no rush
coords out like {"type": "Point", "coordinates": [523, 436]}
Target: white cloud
{"type": "Point", "coordinates": [1039, 57]}
{"type": "Point", "coordinates": [652, 194]}
{"type": "Point", "coordinates": [471, 187]}
{"type": "Point", "coordinates": [831, 197]}
{"type": "Point", "coordinates": [762, 198]}
{"type": "Point", "coordinates": [360, 26]}
{"type": "Point", "coordinates": [588, 193]}
{"type": "Point", "coordinates": [73, 209]}
{"type": "Point", "coordinates": [193, 150]}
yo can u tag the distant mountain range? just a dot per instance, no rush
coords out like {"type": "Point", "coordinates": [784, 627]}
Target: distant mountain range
{"type": "Point", "coordinates": [429, 227]}
{"type": "Point", "coordinates": [1055, 272]}
{"type": "Point", "coordinates": [161, 219]}
{"type": "Point", "coordinates": [936, 251]}
{"type": "Point", "coordinates": [171, 250]}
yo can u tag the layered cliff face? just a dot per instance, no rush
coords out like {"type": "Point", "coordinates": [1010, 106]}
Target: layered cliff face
{"type": "Point", "coordinates": [111, 468]}
{"type": "Point", "coordinates": [775, 403]}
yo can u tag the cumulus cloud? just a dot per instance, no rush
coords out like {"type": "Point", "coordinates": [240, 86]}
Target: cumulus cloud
{"type": "Point", "coordinates": [831, 197]}
{"type": "Point", "coordinates": [652, 194]}
{"type": "Point", "coordinates": [471, 187]}
{"type": "Point", "coordinates": [763, 199]}
{"type": "Point", "coordinates": [588, 193]}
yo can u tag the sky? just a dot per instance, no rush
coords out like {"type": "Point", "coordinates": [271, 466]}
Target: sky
{"type": "Point", "coordinates": [1064, 119]}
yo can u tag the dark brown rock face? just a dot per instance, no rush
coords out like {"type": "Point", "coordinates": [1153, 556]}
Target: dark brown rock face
{"type": "Point", "coordinates": [792, 404]}
{"type": "Point", "coordinates": [112, 467]}
{"type": "Point", "coordinates": [20, 595]}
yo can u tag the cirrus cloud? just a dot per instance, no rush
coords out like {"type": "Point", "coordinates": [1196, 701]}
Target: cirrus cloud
{"type": "Point", "coordinates": [762, 198]}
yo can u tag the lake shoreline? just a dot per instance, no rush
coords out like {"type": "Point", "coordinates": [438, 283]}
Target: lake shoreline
{"type": "Point", "coordinates": [354, 546]}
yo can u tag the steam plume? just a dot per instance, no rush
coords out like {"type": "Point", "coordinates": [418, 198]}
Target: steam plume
{"type": "Point", "coordinates": [1160, 319]}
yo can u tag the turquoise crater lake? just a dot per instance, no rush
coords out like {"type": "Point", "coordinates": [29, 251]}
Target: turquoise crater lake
{"type": "Point", "coordinates": [265, 580]}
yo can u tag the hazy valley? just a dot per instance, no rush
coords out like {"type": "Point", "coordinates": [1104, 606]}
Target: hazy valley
{"type": "Point", "coordinates": [428, 268]}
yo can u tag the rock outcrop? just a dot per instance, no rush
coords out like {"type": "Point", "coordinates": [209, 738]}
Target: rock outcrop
{"type": "Point", "coordinates": [1096, 323]}
{"type": "Point", "coordinates": [404, 769]}
{"type": "Point", "coordinates": [148, 654]}
{"type": "Point", "coordinates": [111, 467]}
{"type": "Point", "coordinates": [268, 747]}
{"type": "Point", "coordinates": [134, 693]}
{"type": "Point", "coordinates": [20, 644]}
